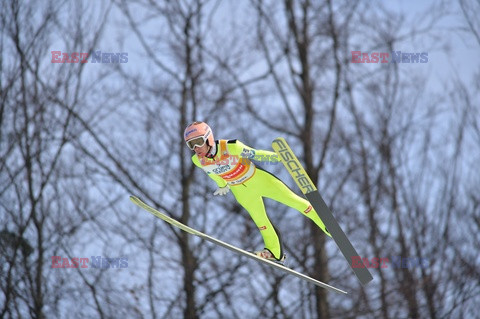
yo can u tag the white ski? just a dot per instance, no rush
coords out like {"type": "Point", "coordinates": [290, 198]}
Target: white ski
{"type": "Point", "coordinates": [192, 231]}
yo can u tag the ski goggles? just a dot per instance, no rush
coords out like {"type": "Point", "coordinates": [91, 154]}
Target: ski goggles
{"type": "Point", "coordinates": [196, 141]}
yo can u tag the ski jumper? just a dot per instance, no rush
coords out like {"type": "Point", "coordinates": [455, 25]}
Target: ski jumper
{"type": "Point", "coordinates": [232, 165]}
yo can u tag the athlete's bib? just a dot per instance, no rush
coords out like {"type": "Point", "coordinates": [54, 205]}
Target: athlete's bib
{"type": "Point", "coordinates": [233, 169]}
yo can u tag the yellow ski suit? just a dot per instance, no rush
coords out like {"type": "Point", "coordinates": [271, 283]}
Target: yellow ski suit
{"type": "Point", "coordinates": [232, 166]}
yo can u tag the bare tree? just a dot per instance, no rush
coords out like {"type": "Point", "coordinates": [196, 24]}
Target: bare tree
{"type": "Point", "coordinates": [38, 104]}
{"type": "Point", "coordinates": [180, 86]}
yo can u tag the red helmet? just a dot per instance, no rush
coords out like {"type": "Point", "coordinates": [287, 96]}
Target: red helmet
{"type": "Point", "coordinates": [197, 133]}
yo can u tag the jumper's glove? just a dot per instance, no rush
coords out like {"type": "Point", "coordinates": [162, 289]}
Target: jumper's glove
{"type": "Point", "coordinates": [222, 191]}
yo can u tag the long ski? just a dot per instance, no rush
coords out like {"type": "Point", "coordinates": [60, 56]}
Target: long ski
{"type": "Point", "coordinates": [192, 231]}
{"type": "Point", "coordinates": [296, 170]}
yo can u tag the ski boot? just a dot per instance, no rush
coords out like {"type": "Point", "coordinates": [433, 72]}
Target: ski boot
{"type": "Point", "coordinates": [267, 254]}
